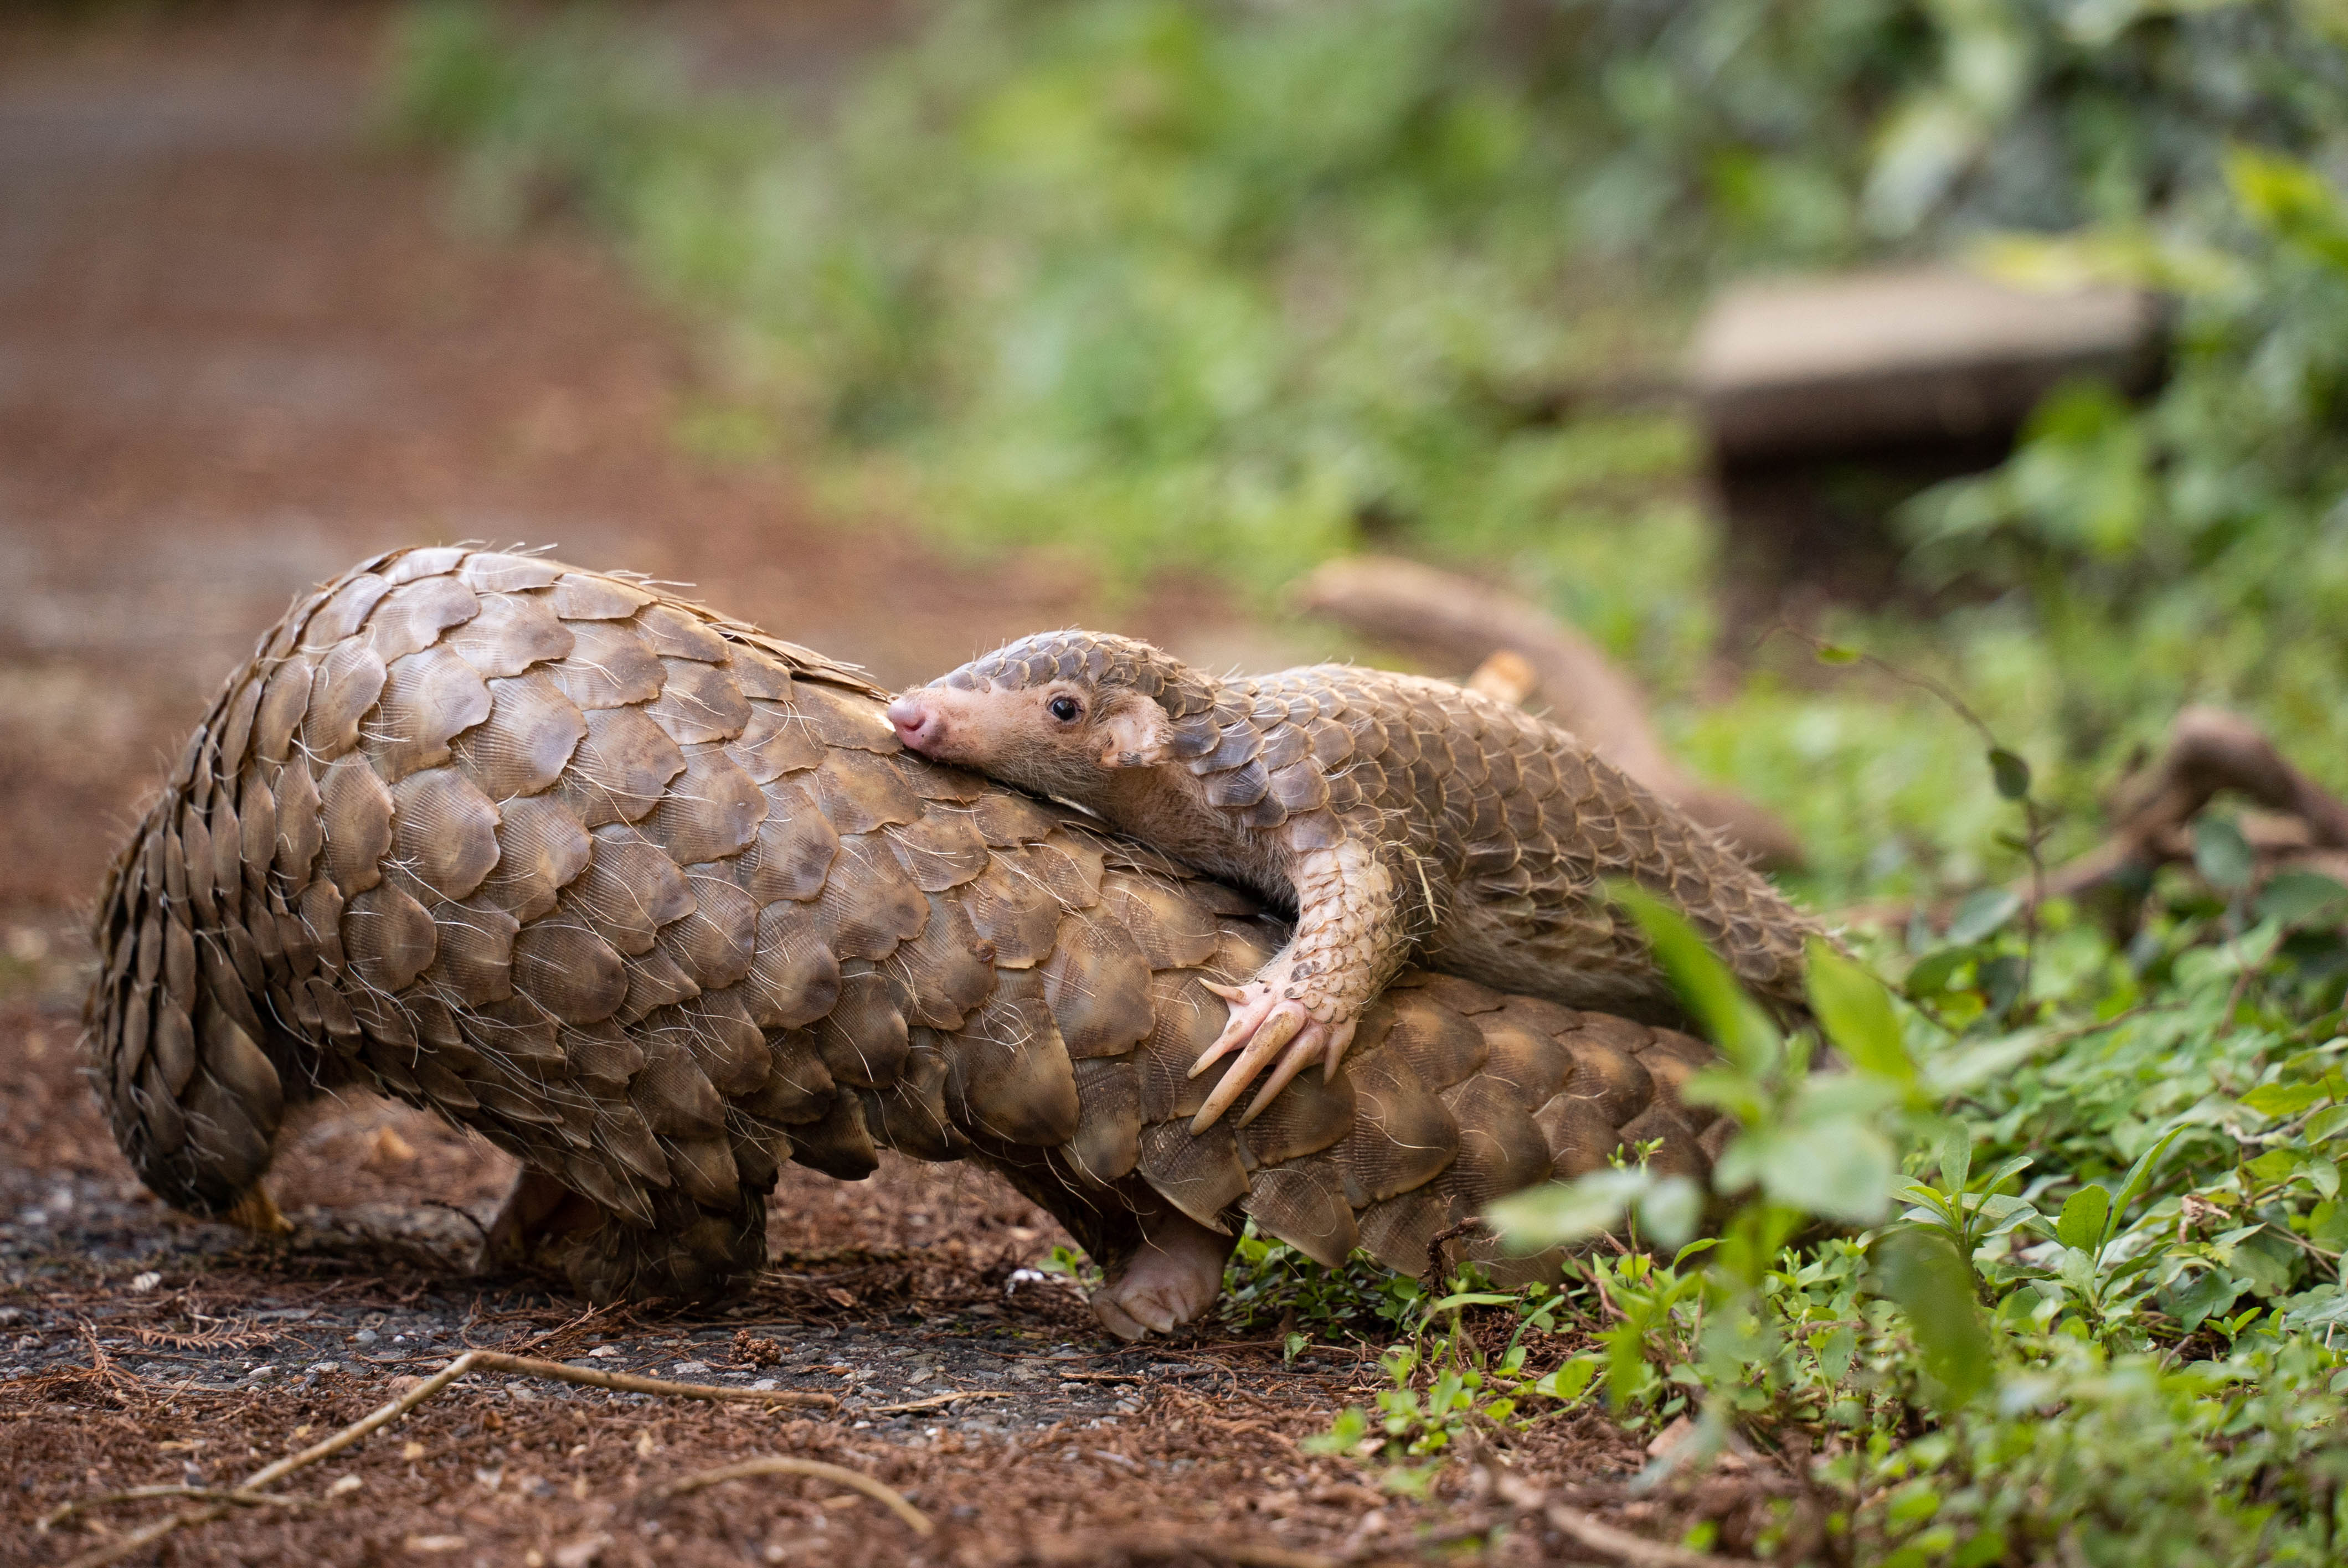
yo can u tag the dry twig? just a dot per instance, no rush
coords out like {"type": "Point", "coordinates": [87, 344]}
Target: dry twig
{"type": "Point", "coordinates": [782, 1464]}
{"type": "Point", "coordinates": [629, 1383]}
{"type": "Point", "coordinates": [936, 1401]}
{"type": "Point", "coordinates": [64, 1510]}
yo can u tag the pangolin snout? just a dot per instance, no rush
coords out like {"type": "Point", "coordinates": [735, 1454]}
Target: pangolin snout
{"type": "Point", "coordinates": [919, 724]}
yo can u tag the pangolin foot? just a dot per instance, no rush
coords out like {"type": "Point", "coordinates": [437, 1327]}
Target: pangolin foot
{"type": "Point", "coordinates": [1262, 1025]}
{"type": "Point", "coordinates": [1172, 1279]}
{"type": "Point", "coordinates": [256, 1212]}
{"type": "Point", "coordinates": [537, 1210]}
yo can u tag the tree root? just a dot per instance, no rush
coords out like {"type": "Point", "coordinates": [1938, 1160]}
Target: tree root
{"type": "Point", "coordinates": [1457, 623]}
{"type": "Point", "coordinates": [2209, 752]}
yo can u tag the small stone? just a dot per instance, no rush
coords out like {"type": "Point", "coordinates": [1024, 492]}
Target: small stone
{"type": "Point", "coordinates": [365, 1336]}
{"type": "Point", "coordinates": [141, 1284]}
{"type": "Point", "coordinates": [763, 1385]}
{"type": "Point", "coordinates": [688, 1368]}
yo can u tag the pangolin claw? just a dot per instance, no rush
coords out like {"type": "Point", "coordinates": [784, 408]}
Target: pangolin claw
{"type": "Point", "coordinates": [1261, 1027]}
{"type": "Point", "coordinates": [1326, 1040]}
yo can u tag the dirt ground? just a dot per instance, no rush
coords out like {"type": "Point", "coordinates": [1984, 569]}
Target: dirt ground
{"type": "Point", "coordinates": [240, 347]}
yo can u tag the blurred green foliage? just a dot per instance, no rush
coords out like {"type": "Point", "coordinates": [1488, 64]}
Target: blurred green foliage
{"type": "Point", "coordinates": [1235, 287]}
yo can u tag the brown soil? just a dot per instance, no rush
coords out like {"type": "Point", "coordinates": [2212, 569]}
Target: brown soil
{"type": "Point", "coordinates": [240, 348]}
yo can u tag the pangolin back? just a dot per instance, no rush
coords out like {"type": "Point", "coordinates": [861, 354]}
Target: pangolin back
{"type": "Point", "coordinates": [654, 901]}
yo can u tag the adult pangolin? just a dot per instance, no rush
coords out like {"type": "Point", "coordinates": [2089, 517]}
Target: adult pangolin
{"type": "Point", "coordinates": [1392, 813]}
{"type": "Point", "coordinates": [653, 902]}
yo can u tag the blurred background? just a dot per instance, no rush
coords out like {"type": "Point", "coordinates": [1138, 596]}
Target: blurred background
{"type": "Point", "coordinates": [2003, 340]}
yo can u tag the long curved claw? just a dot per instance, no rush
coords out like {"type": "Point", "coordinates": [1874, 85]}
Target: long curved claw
{"type": "Point", "coordinates": [1251, 1007]}
{"type": "Point", "coordinates": [1317, 1038]}
{"type": "Point", "coordinates": [1279, 1027]}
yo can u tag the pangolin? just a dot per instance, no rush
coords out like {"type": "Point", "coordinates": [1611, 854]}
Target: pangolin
{"type": "Point", "coordinates": [1394, 815]}
{"type": "Point", "coordinates": [654, 901]}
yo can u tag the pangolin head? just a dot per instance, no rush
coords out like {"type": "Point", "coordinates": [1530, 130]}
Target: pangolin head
{"type": "Point", "coordinates": [1056, 713]}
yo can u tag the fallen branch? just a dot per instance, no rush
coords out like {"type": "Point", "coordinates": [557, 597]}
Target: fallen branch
{"type": "Point", "coordinates": [781, 1464]}
{"type": "Point", "coordinates": [629, 1383]}
{"type": "Point", "coordinates": [2209, 752]}
{"type": "Point", "coordinates": [470, 1361]}
{"type": "Point", "coordinates": [1457, 623]}
{"type": "Point", "coordinates": [934, 1401]}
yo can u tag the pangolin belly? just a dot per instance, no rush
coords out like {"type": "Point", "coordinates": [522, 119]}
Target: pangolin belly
{"type": "Point", "coordinates": [655, 902]}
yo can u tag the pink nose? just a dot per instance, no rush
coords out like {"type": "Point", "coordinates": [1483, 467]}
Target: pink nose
{"type": "Point", "coordinates": [917, 724]}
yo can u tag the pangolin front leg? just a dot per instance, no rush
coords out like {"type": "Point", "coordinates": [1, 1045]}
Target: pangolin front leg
{"type": "Point", "coordinates": [1350, 941]}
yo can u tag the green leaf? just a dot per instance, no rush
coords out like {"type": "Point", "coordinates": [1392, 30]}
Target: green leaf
{"type": "Point", "coordinates": [2275, 1166]}
{"type": "Point", "coordinates": [2222, 855]}
{"type": "Point", "coordinates": [1829, 653]}
{"type": "Point", "coordinates": [1342, 1435]}
{"type": "Point", "coordinates": [1670, 1211]}
{"type": "Point", "coordinates": [1841, 1170]}
{"type": "Point", "coordinates": [2082, 1223]}
{"type": "Point", "coordinates": [1931, 973]}
{"type": "Point", "coordinates": [2267, 1262]}
{"type": "Point", "coordinates": [1570, 1380]}
{"type": "Point", "coordinates": [1984, 911]}
{"type": "Point", "coordinates": [1855, 1012]}
{"type": "Point", "coordinates": [2212, 1290]}
{"type": "Point", "coordinates": [1957, 1158]}
{"type": "Point", "coordinates": [2138, 1175]}
{"type": "Point", "coordinates": [2301, 898]}
{"type": "Point", "coordinates": [2007, 1172]}
{"type": "Point", "coordinates": [1934, 1288]}
{"type": "Point", "coordinates": [1561, 1213]}
{"type": "Point", "coordinates": [1736, 1024]}
{"type": "Point", "coordinates": [2011, 773]}
{"type": "Point", "coordinates": [2285, 1099]}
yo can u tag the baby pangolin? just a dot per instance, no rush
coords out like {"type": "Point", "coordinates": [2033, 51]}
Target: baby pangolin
{"type": "Point", "coordinates": [1396, 815]}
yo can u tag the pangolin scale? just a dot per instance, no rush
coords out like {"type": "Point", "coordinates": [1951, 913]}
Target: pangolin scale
{"type": "Point", "coordinates": [654, 901]}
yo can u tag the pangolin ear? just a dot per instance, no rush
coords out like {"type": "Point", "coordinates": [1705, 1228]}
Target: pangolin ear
{"type": "Point", "coordinates": [1135, 733]}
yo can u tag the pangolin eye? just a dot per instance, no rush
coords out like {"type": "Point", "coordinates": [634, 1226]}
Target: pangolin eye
{"type": "Point", "coordinates": [1067, 709]}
